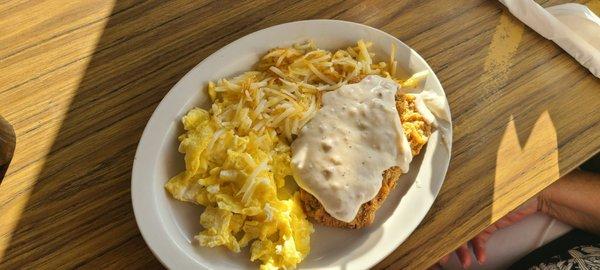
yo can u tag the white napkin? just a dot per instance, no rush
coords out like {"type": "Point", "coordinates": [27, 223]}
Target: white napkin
{"type": "Point", "coordinates": [573, 27]}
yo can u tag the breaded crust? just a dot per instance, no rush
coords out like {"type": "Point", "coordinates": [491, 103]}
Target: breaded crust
{"type": "Point", "coordinates": [417, 132]}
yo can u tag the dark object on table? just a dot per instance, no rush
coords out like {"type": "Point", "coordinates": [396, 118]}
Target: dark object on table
{"type": "Point", "coordinates": [7, 146]}
{"type": "Point", "coordinates": [592, 165]}
{"type": "Point", "coordinates": [574, 250]}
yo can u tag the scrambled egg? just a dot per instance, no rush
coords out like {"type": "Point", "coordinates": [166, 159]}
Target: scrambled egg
{"type": "Point", "coordinates": [237, 154]}
{"type": "Point", "coordinates": [237, 179]}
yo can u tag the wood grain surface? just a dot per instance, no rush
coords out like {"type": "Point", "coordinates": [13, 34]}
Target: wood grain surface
{"type": "Point", "coordinates": [80, 79]}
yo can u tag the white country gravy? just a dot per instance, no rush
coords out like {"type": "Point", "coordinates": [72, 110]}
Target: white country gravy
{"type": "Point", "coordinates": [340, 155]}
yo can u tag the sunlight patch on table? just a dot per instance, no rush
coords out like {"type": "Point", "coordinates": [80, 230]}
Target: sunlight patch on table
{"type": "Point", "coordinates": [505, 41]}
{"type": "Point", "coordinates": [517, 166]}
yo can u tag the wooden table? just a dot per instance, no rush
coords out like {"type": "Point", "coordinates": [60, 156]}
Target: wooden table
{"type": "Point", "coordinates": [79, 81]}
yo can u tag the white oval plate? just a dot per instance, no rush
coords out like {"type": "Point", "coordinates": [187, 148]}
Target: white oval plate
{"type": "Point", "coordinates": [168, 226]}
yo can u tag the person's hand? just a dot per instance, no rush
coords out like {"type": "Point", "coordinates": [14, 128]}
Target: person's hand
{"type": "Point", "coordinates": [572, 200]}
{"type": "Point", "coordinates": [478, 242]}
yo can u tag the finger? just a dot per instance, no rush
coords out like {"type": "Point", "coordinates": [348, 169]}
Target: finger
{"type": "Point", "coordinates": [514, 217]}
{"type": "Point", "coordinates": [479, 249]}
{"type": "Point", "coordinates": [503, 223]}
{"type": "Point", "coordinates": [464, 256]}
{"type": "Point", "coordinates": [444, 259]}
{"type": "Point", "coordinates": [491, 229]}
{"type": "Point", "coordinates": [485, 234]}
{"type": "Point", "coordinates": [517, 216]}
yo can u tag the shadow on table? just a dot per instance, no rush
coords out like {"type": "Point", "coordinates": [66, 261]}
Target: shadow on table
{"type": "Point", "coordinates": [80, 202]}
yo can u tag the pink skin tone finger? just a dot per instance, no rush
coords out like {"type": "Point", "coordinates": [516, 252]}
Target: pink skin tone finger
{"type": "Point", "coordinates": [444, 259]}
{"type": "Point", "coordinates": [440, 263]}
{"type": "Point", "coordinates": [478, 244]}
{"type": "Point", "coordinates": [464, 256]}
